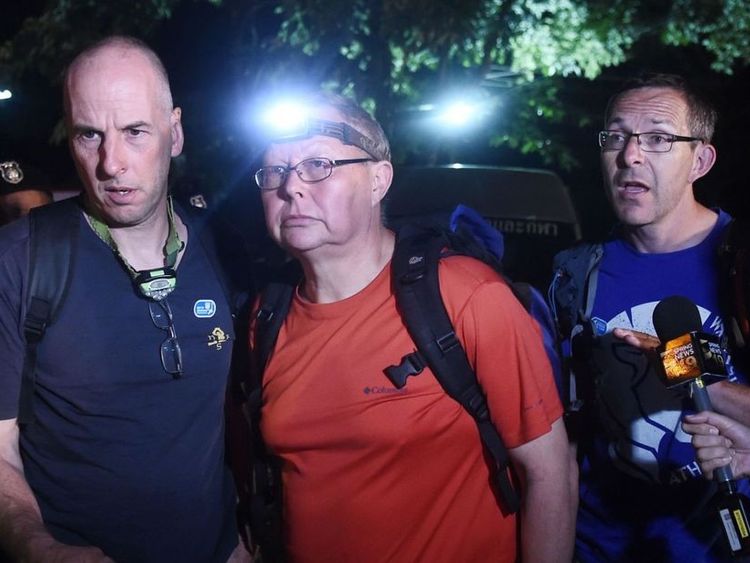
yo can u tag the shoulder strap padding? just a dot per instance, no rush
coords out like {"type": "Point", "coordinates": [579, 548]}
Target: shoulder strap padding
{"type": "Point", "coordinates": [274, 306]}
{"type": "Point", "coordinates": [417, 290]}
{"type": "Point", "coordinates": [53, 231]}
{"type": "Point", "coordinates": [573, 286]}
{"type": "Point", "coordinates": [266, 490]}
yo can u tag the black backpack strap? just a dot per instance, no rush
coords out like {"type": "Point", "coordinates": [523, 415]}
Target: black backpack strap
{"type": "Point", "coordinates": [275, 301]}
{"type": "Point", "coordinates": [274, 306]}
{"type": "Point", "coordinates": [53, 231]}
{"type": "Point", "coordinates": [266, 495]}
{"type": "Point", "coordinates": [571, 300]}
{"type": "Point", "coordinates": [573, 288]}
{"type": "Point", "coordinates": [417, 290]}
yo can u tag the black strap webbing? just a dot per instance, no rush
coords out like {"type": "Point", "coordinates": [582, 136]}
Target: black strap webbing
{"type": "Point", "coordinates": [53, 230]}
{"type": "Point", "coordinates": [417, 288]}
{"type": "Point", "coordinates": [274, 306]}
{"type": "Point", "coordinates": [266, 498]}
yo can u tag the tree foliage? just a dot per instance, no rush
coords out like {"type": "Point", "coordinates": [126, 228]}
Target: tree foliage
{"type": "Point", "coordinates": [397, 52]}
{"type": "Point", "coordinates": [394, 55]}
{"type": "Point", "coordinates": [46, 42]}
{"type": "Point", "coordinates": [720, 27]}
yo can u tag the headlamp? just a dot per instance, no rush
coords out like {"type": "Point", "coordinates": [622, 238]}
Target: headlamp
{"type": "Point", "coordinates": [336, 129]}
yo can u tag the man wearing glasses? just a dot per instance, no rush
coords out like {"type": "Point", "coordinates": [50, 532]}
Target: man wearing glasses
{"type": "Point", "coordinates": [642, 497]}
{"type": "Point", "coordinates": [371, 472]}
{"type": "Point", "coordinates": [122, 455]}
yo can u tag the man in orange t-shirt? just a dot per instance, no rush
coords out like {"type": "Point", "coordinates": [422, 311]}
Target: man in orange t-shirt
{"type": "Point", "coordinates": [371, 472]}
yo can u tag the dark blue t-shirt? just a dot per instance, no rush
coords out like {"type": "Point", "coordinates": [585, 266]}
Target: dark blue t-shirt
{"type": "Point", "coordinates": [122, 455]}
{"type": "Point", "coordinates": [642, 495]}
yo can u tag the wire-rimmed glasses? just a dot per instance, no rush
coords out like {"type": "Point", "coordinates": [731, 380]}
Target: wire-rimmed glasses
{"type": "Point", "coordinates": [650, 141]}
{"type": "Point", "coordinates": [310, 170]}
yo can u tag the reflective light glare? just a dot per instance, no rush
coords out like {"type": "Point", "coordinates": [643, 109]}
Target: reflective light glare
{"type": "Point", "coordinates": [5, 94]}
{"type": "Point", "coordinates": [458, 113]}
{"type": "Point", "coordinates": [284, 116]}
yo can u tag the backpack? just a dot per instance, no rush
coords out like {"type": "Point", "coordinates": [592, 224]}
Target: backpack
{"type": "Point", "coordinates": [414, 266]}
{"type": "Point", "coordinates": [53, 234]}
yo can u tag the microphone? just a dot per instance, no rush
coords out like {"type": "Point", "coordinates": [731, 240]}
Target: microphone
{"type": "Point", "coordinates": [687, 356]}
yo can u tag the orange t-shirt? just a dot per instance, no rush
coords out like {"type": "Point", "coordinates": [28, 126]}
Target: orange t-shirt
{"type": "Point", "coordinates": [374, 473]}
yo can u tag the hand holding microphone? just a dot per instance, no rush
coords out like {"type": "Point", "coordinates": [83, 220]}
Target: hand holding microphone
{"type": "Point", "coordinates": [687, 356]}
{"type": "Point", "coordinates": [719, 440]}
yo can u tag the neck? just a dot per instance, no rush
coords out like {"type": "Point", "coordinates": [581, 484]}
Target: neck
{"type": "Point", "coordinates": [142, 245]}
{"type": "Point", "coordinates": [335, 278]}
{"type": "Point", "coordinates": [681, 230]}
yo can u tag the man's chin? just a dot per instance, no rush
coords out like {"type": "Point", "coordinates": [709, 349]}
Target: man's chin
{"type": "Point", "coordinates": [633, 216]}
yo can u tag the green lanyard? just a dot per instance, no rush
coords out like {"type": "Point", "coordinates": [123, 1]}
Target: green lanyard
{"type": "Point", "coordinates": [154, 284]}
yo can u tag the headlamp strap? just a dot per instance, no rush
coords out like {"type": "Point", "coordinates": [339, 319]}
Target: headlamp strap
{"type": "Point", "coordinates": [158, 283]}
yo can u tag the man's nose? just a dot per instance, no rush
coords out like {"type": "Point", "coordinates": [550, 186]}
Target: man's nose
{"type": "Point", "coordinates": [112, 156]}
{"type": "Point", "coordinates": [632, 153]}
{"type": "Point", "coordinates": [293, 186]}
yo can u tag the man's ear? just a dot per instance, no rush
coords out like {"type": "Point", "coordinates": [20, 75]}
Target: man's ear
{"type": "Point", "coordinates": [703, 160]}
{"type": "Point", "coordinates": [175, 129]}
{"type": "Point", "coordinates": [382, 176]}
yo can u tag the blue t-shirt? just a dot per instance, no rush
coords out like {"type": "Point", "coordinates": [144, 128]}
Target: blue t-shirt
{"type": "Point", "coordinates": [642, 495]}
{"type": "Point", "coordinates": [122, 455]}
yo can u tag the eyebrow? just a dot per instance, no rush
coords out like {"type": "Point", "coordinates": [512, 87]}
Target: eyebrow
{"type": "Point", "coordinates": [136, 125]}
{"type": "Point", "coordinates": [82, 127]}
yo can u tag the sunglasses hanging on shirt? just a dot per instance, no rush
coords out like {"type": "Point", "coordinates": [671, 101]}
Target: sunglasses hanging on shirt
{"type": "Point", "coordinates": [153, 284]}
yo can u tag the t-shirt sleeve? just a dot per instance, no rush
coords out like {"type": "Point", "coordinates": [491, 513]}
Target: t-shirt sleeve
{"type": "Point", "coordinates": [504, 344]}
{"type": "Point", "coordinates": [13, 252]}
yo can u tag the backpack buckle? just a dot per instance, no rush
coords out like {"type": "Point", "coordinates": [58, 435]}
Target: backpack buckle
{"type": "Point", "coordinates": [411, 364]}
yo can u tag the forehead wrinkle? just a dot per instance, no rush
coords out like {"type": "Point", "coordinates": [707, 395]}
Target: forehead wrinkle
{"type": "Point", "coordinates": [100, 98]}
{"type": "Point", "coordinates": [656, 109]}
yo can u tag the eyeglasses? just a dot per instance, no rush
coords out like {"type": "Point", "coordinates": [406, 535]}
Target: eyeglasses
{"type": "Point", "coordinates": [310, 170]}
{"type": "Point", "coordinates": [651, 141]}
{"type": "Point", "coordinates": [171, 355]}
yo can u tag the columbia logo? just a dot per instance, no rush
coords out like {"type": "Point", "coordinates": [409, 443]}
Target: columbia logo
{"type": "Point", "coordinates": [415, 260]}
{"type": "Point", "coordinates": [380, 390]}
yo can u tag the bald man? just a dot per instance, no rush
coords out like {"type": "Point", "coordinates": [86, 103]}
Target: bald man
{"type": "Point", "coordinates": [124, 458]}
